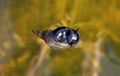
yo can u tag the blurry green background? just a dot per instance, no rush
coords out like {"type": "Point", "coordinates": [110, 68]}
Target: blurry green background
{"type": "Point", "coordinates": [19, 46]}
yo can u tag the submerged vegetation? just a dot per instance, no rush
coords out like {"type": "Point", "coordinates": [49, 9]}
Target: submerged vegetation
{"type": "Point", "coordinates": [20, 49]}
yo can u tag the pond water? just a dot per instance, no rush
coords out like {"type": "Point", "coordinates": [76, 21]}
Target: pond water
{"type": "Point", "coordinates": [22, 53]}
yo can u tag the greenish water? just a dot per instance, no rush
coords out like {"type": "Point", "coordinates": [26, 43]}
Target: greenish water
{"type": "Point", "coordinates": [24, 54]}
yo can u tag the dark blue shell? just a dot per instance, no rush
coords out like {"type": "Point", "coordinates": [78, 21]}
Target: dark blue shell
{"type": "Point", "coordinates": [60, 38]}
{"type": "Point", "coordinates": [66, 35]}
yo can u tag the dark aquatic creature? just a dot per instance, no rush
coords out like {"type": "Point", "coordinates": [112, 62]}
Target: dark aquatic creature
{"type": "Point", "coordinates": [59, 38]}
